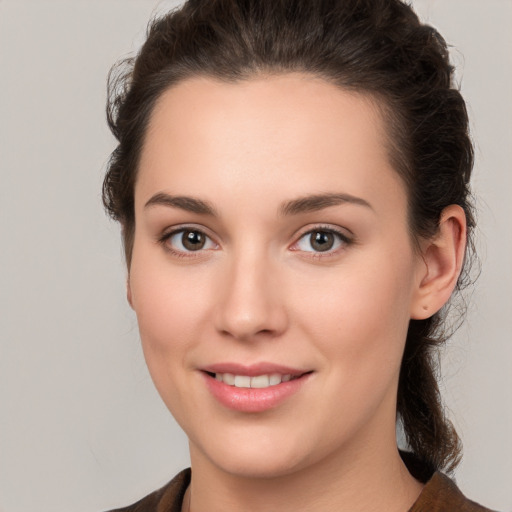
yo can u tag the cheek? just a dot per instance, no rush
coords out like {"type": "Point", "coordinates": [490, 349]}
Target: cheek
{"type": "Point", "coordinates": [169, 304]}
{"type": "Point", "coordinates": [359, 315]}
{"type": "Point", "coordinates": [358, 322]}
{"type": "Point", "coordinates": [169, 307]}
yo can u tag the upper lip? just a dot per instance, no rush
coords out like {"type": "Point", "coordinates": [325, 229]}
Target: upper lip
{"type": "Point", "coordinates": [263, 368]}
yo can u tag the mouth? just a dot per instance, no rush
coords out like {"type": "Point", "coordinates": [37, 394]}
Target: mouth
{"type": "Point", "coordinates": [256, 388]}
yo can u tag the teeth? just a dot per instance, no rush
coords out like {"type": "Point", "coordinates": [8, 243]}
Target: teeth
{"type": "Point", "coordinates": [259, 381]}
{"type": "Point", "coordinates": [274, 379]}
{"type": "Point", "coordinates": [228, 378]}
{"type": "Point", "coordinates": [242, 381]}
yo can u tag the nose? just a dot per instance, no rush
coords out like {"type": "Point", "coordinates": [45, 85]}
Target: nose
{"type": "Point", "coordinates": [251, 301]}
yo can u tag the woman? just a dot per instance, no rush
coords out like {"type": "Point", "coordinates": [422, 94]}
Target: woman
{"type": "Point", "coordinates": [292, 181]}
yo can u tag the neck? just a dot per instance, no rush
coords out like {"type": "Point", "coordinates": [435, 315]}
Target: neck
{"type": "Point", "coordinates": [368, 479]}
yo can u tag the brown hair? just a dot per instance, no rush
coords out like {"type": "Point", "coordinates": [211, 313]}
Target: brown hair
{"type": "Point", "coordinates": [378, 47]}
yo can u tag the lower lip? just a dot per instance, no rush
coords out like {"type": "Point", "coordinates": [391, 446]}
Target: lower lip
{"type": "Point", "coordinates": [253, 399]}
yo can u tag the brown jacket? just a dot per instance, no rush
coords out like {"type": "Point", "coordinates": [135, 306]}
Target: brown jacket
{"type": "Point", "coordinates": [440, 494]}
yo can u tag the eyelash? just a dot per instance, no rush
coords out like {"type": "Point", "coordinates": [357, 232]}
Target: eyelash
{"type": "Point", "coordinates": [342, 239]}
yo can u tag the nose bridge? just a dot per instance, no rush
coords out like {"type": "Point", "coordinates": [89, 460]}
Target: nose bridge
{"type": "Point", "coordinates": [250, 302]}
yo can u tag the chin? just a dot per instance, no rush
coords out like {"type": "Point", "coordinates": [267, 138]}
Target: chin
{"type": "Point", "coordinates": [256, 456]}
{"type": "Point", "coordinates": [258, 466]}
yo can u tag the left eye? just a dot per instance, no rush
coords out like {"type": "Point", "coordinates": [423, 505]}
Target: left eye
{"type": "Point", "coordinates": [321, 240]}
{"type": "Point", "coordinates": [190, 240]}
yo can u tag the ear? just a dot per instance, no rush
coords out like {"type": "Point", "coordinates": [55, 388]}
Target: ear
{"type": "Point", "coordinates": [129, 292]}
{"type": "Point", "coordinates": [443, 256]}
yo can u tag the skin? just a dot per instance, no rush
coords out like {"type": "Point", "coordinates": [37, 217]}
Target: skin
{"type": "Point", "coordinates": [258, 291]}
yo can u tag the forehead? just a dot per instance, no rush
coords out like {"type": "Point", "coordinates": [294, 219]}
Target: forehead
{"type": "Point", "coordinates": [292, 133]}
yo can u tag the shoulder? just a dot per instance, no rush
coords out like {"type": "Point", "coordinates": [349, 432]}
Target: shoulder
{"type": "Point", "coordinates": [169, 498]}
{"type": "Point", "coordinates": [441, 494]}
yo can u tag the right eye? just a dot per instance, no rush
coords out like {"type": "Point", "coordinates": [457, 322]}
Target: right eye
{"type": "Point", "coordinates": [186, 241]}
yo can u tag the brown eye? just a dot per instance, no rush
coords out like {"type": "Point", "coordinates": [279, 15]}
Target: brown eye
{"type": "Point", "coordinates": [321, 240]}
{"type": "Point", "coordinates": [193, 240]}
{"type": "Point", "coordinates": [188, 240]}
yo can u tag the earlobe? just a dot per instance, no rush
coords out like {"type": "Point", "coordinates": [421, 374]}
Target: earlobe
{"type": "Point", "coordinates": [443, 256]}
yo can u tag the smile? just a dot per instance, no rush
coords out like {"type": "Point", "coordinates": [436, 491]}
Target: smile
{"type": "Point", "coordinates": [253, 389]}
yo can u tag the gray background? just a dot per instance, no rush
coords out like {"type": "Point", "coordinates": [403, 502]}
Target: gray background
{"type": "Point", "coordinates": [81, 427]}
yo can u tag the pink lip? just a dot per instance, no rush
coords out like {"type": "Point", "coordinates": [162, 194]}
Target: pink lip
{"type": "Point", "coordinates": [253, 369]}
{"type": "Point", "coordinates": [253, 400]}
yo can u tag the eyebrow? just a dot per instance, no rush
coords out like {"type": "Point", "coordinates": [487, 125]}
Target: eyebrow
{"type": "Point", "coordinates": [189, 204]}
{"type": "Point", "coordinates": [310, 203]}
{"type": "Point", "coordinates": [317, 202]}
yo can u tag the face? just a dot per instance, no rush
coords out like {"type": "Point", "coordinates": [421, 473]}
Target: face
{"type": "Point", "coordinates": [272, 250]}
